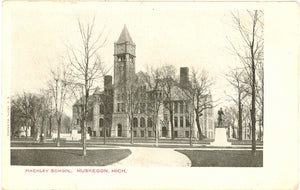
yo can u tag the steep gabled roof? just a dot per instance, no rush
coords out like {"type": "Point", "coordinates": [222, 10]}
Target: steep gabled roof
{"type": "Point", "coordinates": [124, 36]}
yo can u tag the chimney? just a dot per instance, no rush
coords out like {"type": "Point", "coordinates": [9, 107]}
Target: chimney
{"type": "Point", "coordinates": [184, 76]}
{"type": "Point", "coordinates": [107, 82]}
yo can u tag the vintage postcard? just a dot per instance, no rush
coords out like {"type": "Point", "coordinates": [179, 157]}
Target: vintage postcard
{"type": "Point", "coordinates": [149, 95]}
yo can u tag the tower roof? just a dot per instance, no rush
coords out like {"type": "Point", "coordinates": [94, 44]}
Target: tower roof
{"type": "Point", "coordinates": [124, 36]}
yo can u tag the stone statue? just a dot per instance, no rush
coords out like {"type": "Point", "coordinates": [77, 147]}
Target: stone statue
{"type": "Point", "coordinates": [220, 117]}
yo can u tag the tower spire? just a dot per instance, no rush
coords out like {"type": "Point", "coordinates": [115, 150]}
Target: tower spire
{"type": "Point", "coordinates": [124, 36]}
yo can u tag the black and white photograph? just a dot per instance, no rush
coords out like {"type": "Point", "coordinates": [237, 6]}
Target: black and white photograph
{"type": "Point", "coordinates": [98, 88]}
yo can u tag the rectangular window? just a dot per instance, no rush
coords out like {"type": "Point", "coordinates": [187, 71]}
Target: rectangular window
{"type": "Point", "coordinates": [149, 133]}
{"type": "Point", "coordinates": [181, 107]}
{"type": "Point", "coordinates": [101, 109]}
{"type": "Point", "coordinates": [175, 107]}
{"type": "Point", "coordinates": [142, 134]}
{"type": "Point", "coordinates": [187, 134]}
{"type": "Point", "coordinates": [123, 107]}
{"type": "Point", "coordinates": [118, 107]}
{"type": "Point", "coordinates": [187, 121]}
{"type": "Point", "coordinates": [181, 121]}
{"type": "Point", "coordinates": [101, 133]}
{"type": "Point", "coordinates": [134, 133]}
{"type": "Point", "coordinates": [175, 134]}
{"type": "Point", "coordinates": [175, 122]}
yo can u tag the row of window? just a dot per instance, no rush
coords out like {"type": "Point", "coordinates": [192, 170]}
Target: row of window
{"type": "Point", "coordinates": [121, 107]}
{"type": "Point", "coordinates": [102, 108]}
{"type": "Point", "coordinates": [187, 122]}
{"type": "Point", "coordinates": [149, 122]}
{"type": "Point", "coordinates": [142, 122]}
{"type": "Point", "coordinates": [150, 134]}
{"type": "Point", "coordinates": [123, 58]}
{"type": "Point", "coordinates": [101, 122]}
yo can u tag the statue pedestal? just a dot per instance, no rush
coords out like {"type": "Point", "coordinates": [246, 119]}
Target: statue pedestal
{"type": "Point", "coordinates": [220, 138]}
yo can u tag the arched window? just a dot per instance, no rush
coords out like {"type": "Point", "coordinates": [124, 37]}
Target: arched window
{"type": "Point", "coordinates": [149, 122]}
{"type": "Point", "coordinates": [101, 122]}
{"type": "Point", "coordinates": [135, 122]}
{"type": "Point", "coordinates": [142, 120]}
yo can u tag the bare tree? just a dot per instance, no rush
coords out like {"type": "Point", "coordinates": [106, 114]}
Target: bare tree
{"type": "Point", "coordinates": [59, 89]}
{"type": "Point", "coordinates": [45, 111]}
{"type": "Point", "coordinates": [155, 95]}
{"type": "Point", "coordinates": [198, 93]}
{"type": "Point", "coordinates": [133, 98]}
{"type": "Point", "coordinates": [29, 107]}
{"type": "Point", "coordinates": [235, 78]}
{"type": "Point", "coordinates": [231, 114]}
{"type": "Point", "coordinates": [260, 96]}
{"type": "Point", "coordinates": [86, 67]}
{"type": "Point", "coordinates": [250, 53]}
{"type": "Point", "coordinates": [167, 82]}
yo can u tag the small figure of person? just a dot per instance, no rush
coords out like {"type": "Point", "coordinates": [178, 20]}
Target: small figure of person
{"type": "Point", "coordinates": [220, 117]}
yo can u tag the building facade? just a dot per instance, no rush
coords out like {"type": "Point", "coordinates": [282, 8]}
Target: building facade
{"type": "Point", "coordinates": [110, 112]}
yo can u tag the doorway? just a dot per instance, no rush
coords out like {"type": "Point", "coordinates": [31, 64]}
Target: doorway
{"type": "Point", "coordinates": [164, 131]}
{"type": "Point", "coordinates": [119, 130]}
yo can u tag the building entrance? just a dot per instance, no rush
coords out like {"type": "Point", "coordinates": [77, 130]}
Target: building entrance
{"type": "Point", "coordinates": [119, 130]}
{"type": "Point", "coordinates": [164, 132]}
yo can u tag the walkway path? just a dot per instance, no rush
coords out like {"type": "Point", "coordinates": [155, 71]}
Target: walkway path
{"type": "Point", "coordinates": [154, 157]}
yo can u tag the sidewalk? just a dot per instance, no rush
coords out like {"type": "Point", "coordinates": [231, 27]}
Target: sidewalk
{"type": "Point", "coordinates": [153, 157]}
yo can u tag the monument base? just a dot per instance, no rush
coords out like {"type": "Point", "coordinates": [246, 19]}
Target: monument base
{"type": "Point", "coordinates": [220, 138]}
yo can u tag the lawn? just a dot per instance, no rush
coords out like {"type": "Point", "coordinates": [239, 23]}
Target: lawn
{"type": "Point", "coordinates": [52, 144]}
{"type": "Point", "coordinates": [67, 157]}
{"type": "Point", "coordinates": [223, 158]}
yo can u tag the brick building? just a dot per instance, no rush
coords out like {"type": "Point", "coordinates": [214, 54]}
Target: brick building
{"type": "Point", "coordinates": [109, 110]}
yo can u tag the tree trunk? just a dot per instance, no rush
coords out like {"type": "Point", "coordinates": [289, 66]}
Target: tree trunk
{"type": "Point", "coordinates": [32, 130]}
{"type": "Point", "coordinates": [228, 132]}
{"type": "Point", "coordinates": [26, 128]}
{"type": "Point", "coordinates": [240, 118]}
{"type": "Point", "coordinates": [259, 132]}
{"type": "Point", "coordinates": [191, 144]}
{"type": "Point", "coordinates": [198, 127]}
{"type": "Point", "coordinates": [253, 120]}
{"type": "Point", "coordinates": [233, 132]}
{"type": "Point", "coordinates": [58, 132]}
{"type": "Point", "coordinates": [104, 132]}
{"type": "Point", "coordinates": [50, 126]}
{"type": "Point", "coordinates": [84, 138]}
{"type": "Point", "coordinates": [156, 133]}
{"type": "Point", "coordinates": [43, 138]}
{"type": "Point", "coordinates": [131, 130]}
{"type": "Point", "coordinates": [172, 124]}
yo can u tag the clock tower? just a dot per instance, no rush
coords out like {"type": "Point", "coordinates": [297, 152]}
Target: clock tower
{"type": "Point", "coordinates": [124, 71]}
{"type": "Point", "coordinates": [124, 58]}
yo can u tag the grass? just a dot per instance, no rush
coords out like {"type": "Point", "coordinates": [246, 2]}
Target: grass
{"type": "Point", "coordinates": [67, 157]}
{"type": "Point", "coordinates": [53, 144]}
{"type": "Point", "coordinates": [224, 158]}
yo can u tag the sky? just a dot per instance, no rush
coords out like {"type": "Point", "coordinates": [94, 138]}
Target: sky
{"type": "Point", "coordinates": [184, 36]}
